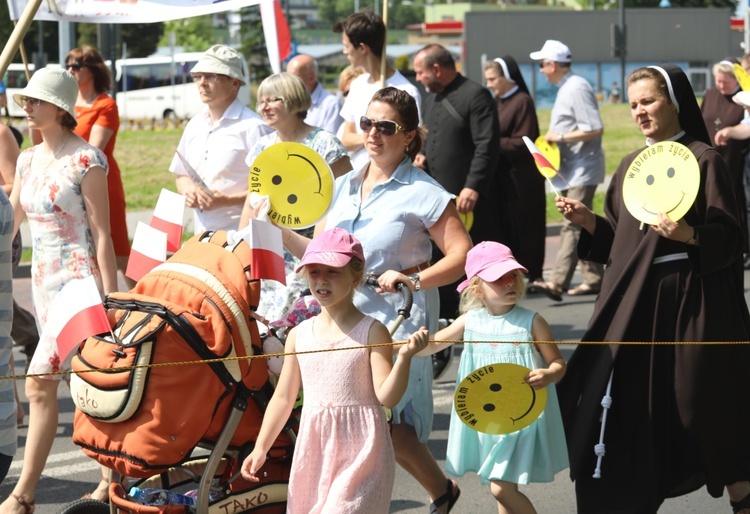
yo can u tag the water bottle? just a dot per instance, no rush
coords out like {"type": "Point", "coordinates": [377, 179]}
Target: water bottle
{"type": "Point", "coordinates": [159, 497]}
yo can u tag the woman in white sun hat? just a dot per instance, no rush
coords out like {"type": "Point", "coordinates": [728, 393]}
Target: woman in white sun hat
{"type": "Point", "coordinates": [61, 188]}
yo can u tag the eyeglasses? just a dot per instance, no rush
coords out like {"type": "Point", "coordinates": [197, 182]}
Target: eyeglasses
{"type": "Point", "coordinates": [544, 63]}
{"type": "Point", "coordinates": [273, 100]}
{"type": "Point", "coordinates": [75, 66]}
{"type": "Point", "coordinates": [34, 102]}
{"type": "Point", "coordinates": [208, 77]}
{"type": "Point", "coordinates": [384, 127]}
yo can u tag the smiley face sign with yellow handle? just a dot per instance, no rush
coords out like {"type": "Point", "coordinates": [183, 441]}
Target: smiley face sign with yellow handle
{"type": "Point", "coordinates": [297, 181]}
{"type": "Point", "coordinates": [496, 399]}
{"type": "Point", "coordinates": [664, 177]}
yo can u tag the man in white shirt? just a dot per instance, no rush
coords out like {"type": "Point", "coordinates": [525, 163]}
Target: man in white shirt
{"type": "Point", "coordinates": [363, 37]}
{"type": "Point", "coordinates": [324, 111]}
{"type": "Point", "coordinates": [216, 142]}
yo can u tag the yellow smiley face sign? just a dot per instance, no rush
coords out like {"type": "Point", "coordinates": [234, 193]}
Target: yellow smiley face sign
{"type": "Point", "coordinates": [663, 178]}
{"type": "Point", "coordinates": [495, 399]}
{"type": "Point", "coordinates": [297, 181]}
{"type": "Point", "coordinates": [742, 77]}
{"type": "Point", "coordinates": [467, 219]}
{"type": "Point", "coordinates": [552, 153]}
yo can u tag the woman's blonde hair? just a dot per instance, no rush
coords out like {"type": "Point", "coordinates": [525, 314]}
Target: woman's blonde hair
{"type": "Point", "coordinates": [471, 296]}
{"type": "Point", "coordinates": [290, 88]}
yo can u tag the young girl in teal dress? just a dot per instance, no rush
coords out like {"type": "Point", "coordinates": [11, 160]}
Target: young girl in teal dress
{"type": "Point", "coordinates": [489, 312]}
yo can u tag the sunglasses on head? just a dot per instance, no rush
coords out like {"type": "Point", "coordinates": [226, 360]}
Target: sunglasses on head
{"type": "Point", "coordinates": [74, 66]}
{"type": "Point", "coordinates": [384, 127]}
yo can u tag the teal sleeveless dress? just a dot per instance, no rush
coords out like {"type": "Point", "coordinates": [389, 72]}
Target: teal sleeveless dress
{"type": "Point", "coordinates": [533, 454]}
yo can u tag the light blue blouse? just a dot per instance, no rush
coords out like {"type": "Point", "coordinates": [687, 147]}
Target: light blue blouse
{"type": "Point", "coordinates": [392, 224]}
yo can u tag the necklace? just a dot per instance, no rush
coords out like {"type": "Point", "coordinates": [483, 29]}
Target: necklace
{"type": "Point", "coordinates": [56, 154]}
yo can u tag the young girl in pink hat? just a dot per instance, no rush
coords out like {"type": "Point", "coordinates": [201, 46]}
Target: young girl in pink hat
{"type": "Point", "coordinates": [343, 459]}
{"type": "Point", "coordinates": [497, 330]}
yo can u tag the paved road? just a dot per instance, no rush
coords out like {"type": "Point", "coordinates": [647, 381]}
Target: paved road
{"type": "Point", "coordinates": [69, 474]}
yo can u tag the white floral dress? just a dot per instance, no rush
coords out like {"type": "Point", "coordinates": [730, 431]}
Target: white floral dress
{"type": "Point", "coordinates": [63, 246]}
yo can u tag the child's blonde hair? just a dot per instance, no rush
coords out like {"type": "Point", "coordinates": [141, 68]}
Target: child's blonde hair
{"type": "Point", "coordinates": [471, 296]}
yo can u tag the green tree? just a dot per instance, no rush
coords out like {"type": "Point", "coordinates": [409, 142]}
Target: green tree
{"type": "Point", "coordinates": [195, 34]}
{"type": "Point", "coordinates": [142, 38]}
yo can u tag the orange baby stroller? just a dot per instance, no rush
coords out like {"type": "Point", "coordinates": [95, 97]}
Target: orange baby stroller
{"type": "Point", "coordinates": [143, 417]}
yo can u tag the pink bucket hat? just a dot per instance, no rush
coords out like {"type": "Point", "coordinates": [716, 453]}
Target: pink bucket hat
{"type": "Point", "coordinates": [334, 247]}
{"type": "Point", "coordinates": [490, 261]}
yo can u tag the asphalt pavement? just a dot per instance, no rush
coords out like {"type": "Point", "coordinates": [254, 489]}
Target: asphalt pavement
{"type": "Point", "coordinates": [69, 473]}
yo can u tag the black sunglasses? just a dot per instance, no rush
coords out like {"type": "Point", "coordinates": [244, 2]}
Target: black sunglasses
{"type": "Point", "coordinates": [74, 65]}
{"type": "Point", "coordinates": [384, 127]}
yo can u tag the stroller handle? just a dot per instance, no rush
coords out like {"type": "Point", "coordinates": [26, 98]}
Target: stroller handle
{"type": "Point", "coordinates": [407, 297]}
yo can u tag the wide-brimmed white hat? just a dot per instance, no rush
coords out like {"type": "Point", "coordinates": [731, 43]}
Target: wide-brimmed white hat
{"type": "Point", "coordinates": [223, 60]}
{"type": "Point", "coordinates": [54, 85]}
{"type": "Point", "coordinates": [552, 50]}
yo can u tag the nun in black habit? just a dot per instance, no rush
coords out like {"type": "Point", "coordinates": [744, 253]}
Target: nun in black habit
{"type": "Point", "coordinates": [679, 413]}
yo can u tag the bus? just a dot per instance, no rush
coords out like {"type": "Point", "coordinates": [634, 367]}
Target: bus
{"type": "Point", "coordinates": [15, 80]}
{"type": "Point", "coordinates": [158, 87]}
{"type": "Point", "coordinates": [147, 87]}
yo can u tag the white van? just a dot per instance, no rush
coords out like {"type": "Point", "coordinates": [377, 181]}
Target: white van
{"type": "Point", "coordinates": [158, 87]}
{"type": "Point", "coordinates": [145, 86]}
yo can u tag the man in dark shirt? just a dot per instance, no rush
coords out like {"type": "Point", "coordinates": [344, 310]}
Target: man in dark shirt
{"type": "Point", "coordinates": [462, 152]}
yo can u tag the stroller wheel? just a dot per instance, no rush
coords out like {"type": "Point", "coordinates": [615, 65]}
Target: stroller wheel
{"type": "Point", "coordinates": [85, 506]}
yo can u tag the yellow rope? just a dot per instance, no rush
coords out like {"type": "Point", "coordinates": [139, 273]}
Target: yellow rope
{"type": "Point", "coordinates": [361, 347]}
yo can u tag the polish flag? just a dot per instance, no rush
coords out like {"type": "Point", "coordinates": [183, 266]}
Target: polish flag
{"type": "Point", "coordinates": [267, 256]}
{"type": "Point", "coordinates": [167, 217]}
{"type": "Point", "coordinates": [149, 249]}
{"type": "Point", "coordinates": [540, 159]}
{"type": "Point", "coordinates": [276, 31]}
{"type": "Point", "coordinates": [76, 314]}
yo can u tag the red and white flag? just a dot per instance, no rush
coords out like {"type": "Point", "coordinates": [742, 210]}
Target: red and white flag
{"type": "Point", "coordinates": [277, 33]}
{"type": "Point", "coordinates": [149, 249]}
{"type": "Point", "coordinates": [76, 314]}
{"type": "Point", "coordinates": [537, 154]}
{"type": "Point", "coordinates": [167, 217]}
{"type": "Point", "coordinates": [267, 256]}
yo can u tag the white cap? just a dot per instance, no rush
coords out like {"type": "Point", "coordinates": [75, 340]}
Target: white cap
{"type": "Point", "coordinates": [223, 60]}
{"type": "Point", "coordinates": [742, 98]}
{"type": "Point", "coordinates": [552, 50]}
{"type": "Point", "coordinates": [54, 85]}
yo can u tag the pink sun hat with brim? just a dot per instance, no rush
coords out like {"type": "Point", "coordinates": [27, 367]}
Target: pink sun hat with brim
{"type": "Point", "coordinates": [490, 261]}
{"type": "Point", "coordinates": [334, 247]}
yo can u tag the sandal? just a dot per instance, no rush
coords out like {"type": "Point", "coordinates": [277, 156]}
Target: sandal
{"type": "Point", "coordinates": [583, 289]}
{"type": "Point", "coordinates": [28, 505]}
{"type": "Point", "coordinates": [553, 291]}
{"type": "Point", "coordinates": [448, 498]}
{"type": "Point", "coordinates": [741, 505]}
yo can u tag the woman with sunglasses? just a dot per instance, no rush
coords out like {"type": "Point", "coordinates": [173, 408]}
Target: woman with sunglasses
{"type": "Point", "coordinates": [61, 188]}
{"type": "Point", "coordinates": [394, 209]}
{"type": "Point", "coordinates": [283, 101]}
{"type": "Point", "coordinates": [98, 122]}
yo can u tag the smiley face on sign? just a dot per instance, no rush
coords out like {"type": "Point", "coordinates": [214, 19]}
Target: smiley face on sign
{"type": "Point", "coordinates": [663, 178]}
{"type": "Point", "coordinates": [297, 181]}
{"type": "Point", "coordinates": [496, 399]}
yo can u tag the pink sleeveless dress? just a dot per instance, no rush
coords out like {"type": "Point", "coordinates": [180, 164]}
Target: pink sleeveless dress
{"type": "Point", "coordinates": [343, 459]}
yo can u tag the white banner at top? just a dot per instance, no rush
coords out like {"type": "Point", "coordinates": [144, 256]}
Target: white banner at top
{"type": "Point", "coordinates": [125, 11]}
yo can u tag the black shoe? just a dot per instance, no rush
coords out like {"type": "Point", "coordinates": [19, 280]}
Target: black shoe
{"type": "Point", "coordinates": [440, 362]}
{"type": "Point", "coordinates": [746, 263]}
